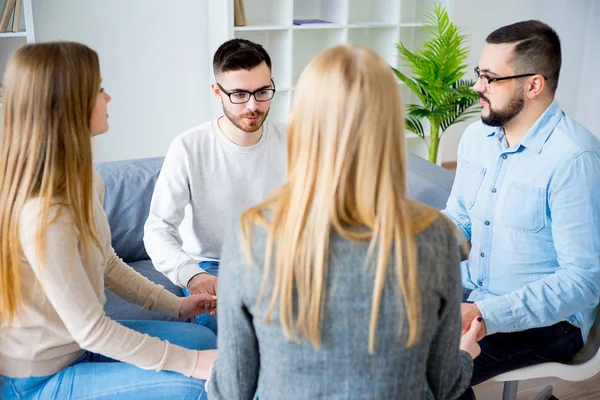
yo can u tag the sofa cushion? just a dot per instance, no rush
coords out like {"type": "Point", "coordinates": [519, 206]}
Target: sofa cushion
{"type": "Point", "coordinates": [128, 191]}
{"type": "Point", "coordinates": [428, 183]}
{"type": "Point", "coordinates": [118, 309]}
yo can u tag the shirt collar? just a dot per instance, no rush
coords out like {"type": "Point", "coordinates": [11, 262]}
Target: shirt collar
{"type": "Point", "coordinates": [537, 135]}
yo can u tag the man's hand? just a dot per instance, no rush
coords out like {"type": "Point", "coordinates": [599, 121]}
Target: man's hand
{"type": "Point", "coordinates": [204, 283]}
{"type": "Point", "coordinates": [195, 304]}
{"type": "Point", "coordinates": [469, 312]}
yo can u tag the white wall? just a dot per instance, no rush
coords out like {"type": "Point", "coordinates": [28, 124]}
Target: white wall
{"type": "Point", "coordinates": [588, 103]}
{"type": "Point", "coordinates": [578, 29]}
{"type": "Point", "coordinates": [153, 56]}
{"type": "Point", "coordinates": [155, 60]}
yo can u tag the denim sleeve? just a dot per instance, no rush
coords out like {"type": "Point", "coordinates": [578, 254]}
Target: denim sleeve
{"type": "Point", "coordinates": [235, 373]}
{"type": "Point", "coordinates": [455, 206]}
{"type": "Point", "coordinates": [449, 369]}
{"type": "Point", "coordinates": [574, 212]}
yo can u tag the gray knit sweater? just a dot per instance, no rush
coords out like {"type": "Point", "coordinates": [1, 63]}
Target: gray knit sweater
{"type": "Point", "coordinates": [254, 358]}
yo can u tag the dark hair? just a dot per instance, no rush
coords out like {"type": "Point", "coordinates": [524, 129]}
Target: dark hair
{"type": "Point", "coordinates": [236, 54]}
{"type": "Point", "coordinates": [537, 49]}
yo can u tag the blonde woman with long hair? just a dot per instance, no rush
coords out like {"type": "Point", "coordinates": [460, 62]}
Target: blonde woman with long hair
{"type": "Point", "coordinates": [338, 286]}
{"type": "Point", "coordinates": [56, 258]}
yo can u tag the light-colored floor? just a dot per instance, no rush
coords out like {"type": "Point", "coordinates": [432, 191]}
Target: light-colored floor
{"type": "Point", "coordinates": [586, 390]}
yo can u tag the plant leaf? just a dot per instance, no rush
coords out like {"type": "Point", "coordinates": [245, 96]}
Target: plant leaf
{"type": "Point", "coordinates": [414, 125]}
{"type": "Point", "coordinates": [437, 73]}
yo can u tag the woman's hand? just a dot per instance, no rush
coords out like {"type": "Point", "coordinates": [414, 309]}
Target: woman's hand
{"type": "Point", "coordinates": [204, 363]}
{"type": "Point", "coordinates": [208, 380]}
{"type": "Point", "coordinates": [196, 304]}
{"type": "Point", "coordinates": [468, 341]}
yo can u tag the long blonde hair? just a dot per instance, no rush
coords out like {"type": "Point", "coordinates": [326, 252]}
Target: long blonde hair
{"type": "Point", "coordinates": [49, 93]}
{"type": "Point", "coordinates": [346, 170]}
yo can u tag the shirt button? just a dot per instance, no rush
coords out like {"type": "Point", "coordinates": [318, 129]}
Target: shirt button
{"type": "Point", "coordinates": [494, 190]}
{"type": "Point", "coordinates": [480, 283]}
{"type": "Point", "coordinates": [482, 255]}
{"type": "Point", "coordinates": [487, 222]}
{"type": "Point", "coordinates": [504, 156]}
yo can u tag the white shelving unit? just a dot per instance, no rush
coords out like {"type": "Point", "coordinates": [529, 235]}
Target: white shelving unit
{"type": "Point", "coordinates": [378, 24]}
{"type": "Point", "coordinates": [11, 41]}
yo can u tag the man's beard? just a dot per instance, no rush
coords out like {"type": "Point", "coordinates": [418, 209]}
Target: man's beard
{"type": "Point", "coordinates": [237, 120]}
{"type": "Point", "coordinates": [502, 117]}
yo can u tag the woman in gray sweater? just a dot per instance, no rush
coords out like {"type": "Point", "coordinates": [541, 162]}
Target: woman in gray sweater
{"type": "Point", "coordinates": [337, 286]}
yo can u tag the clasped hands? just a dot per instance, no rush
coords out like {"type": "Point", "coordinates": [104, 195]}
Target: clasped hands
{"type": "Point", "coordinates": [473, 329]}
{"type": "Point", "coordinates": [202, 298]}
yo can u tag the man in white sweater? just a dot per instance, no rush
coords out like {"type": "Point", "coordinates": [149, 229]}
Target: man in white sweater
{"type": "Point", "coordinates": [215, 171]}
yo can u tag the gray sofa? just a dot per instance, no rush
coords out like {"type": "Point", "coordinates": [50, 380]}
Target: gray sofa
{"type": "Point", "coordinates": [129, 185]}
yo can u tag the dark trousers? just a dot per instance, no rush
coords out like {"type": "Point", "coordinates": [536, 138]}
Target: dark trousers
{"type": "Point", "coordinates": [503, 352]}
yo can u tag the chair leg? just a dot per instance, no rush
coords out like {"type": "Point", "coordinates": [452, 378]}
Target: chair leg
{"type": "Point", "coordinates": [510, 390]}
{"type": "Point", "coordinates": [545, 394]}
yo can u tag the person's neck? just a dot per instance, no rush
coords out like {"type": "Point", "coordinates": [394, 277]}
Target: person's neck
{"type": "Point", "coordinates": [238, 136]}
{"type": "Point", "coordinates": [516, 128]}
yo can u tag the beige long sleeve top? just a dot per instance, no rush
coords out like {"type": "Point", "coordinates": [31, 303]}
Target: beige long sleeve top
{"type": "Point", "coordinates": [62, 310]}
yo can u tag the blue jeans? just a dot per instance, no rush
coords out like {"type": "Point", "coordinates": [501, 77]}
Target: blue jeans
{"type": "Point", "coordinates": [207, 320]}
{"type": "Point", "coordinates": [97, 377]}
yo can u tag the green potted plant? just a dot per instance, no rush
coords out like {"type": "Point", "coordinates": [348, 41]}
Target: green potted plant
{"type": "Point", "coordinates": [436, 79]}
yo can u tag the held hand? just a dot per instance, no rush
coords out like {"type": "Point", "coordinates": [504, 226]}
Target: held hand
{"type": "Point", "coordinates": [468, 341]}
{"type": "Point", "coordinates": [204, 283]}
{"type": "Point", "coordinates": [195, 304]}
{"type": "Point", "coordinates": [469, 312]}
{"type": "Point", "coordinates": [204, 363]}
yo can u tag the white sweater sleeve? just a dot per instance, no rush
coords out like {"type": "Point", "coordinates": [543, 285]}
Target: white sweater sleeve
{"type": "Point", "coordinates": [167, 209]}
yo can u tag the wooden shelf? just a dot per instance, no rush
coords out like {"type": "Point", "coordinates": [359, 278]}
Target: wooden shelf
{"type": "Point", "coordinates": [318, 26]}
{"type": "Point", "coordinates": [411, 24]}
{"type": "Point", "coordinates": [372, 24]}
{"type": "Point", "coordinates": [13, 34]}
{"type": "Point", "coordinates": [377, 24]}
{"type": "Point", "coordinates": [261, 27]}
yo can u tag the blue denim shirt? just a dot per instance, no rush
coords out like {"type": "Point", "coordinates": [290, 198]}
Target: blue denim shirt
{"type": "Point", "coordinates": [532, 213]}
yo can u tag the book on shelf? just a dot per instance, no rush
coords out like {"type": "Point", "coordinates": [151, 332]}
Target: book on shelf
{"type": "Point", "coordinates": [17, 16]}
{"type": "Point", "coordinates": [239, 13]}
{"type": "Point", "coordinates": [310, 21]}
{"type": "Point", "coordinates": [7, 11]}
{"type": "Point", "coordinates": [11, 11]}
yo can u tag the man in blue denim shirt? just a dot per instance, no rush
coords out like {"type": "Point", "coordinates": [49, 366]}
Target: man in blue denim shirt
{"type": "Point", "coordinates": [527, 196]}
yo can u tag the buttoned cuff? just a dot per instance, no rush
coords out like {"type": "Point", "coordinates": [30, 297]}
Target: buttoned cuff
{"type": "Point", "coordinates": [497, 314]}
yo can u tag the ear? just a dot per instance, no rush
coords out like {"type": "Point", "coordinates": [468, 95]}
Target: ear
{"type": "Point", "coordinates": [536, 86]}
{"type": "Point", "coordinates": [215, 90]}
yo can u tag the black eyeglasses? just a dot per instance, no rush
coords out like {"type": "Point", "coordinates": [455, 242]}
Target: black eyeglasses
{"type": "Point", "coordinates": [260, 95]}
{"type": "Point", "coordinates": [487, 80]}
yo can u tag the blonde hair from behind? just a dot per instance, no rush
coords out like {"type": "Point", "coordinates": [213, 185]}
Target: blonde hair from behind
{"type": "Point", "coordinates": [49, 93]}
{"type": "Point", "coordinates": [346, 171]}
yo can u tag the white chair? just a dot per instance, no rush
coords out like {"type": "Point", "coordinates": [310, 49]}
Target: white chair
{"type": "Point", "coordinates": [584, 365]}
